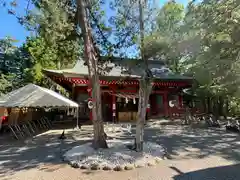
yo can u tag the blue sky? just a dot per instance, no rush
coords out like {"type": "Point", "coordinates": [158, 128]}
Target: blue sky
{"type": "Point", "coordinates": [11, 27]}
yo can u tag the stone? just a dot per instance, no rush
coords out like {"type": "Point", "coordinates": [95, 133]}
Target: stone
{"type": "Point", "coordinates": [165, 158]}
{"type": "Point", "coordinates": [158, 160]}
{"type": "Point", "coordinates": [95, 167]}
{"type": "Point", "coordinates": [75, 165]}
{"type": "Point", "coordinates": [70, 163]}
{"type": "Point", "coordinates": [150, 164]}
{"type": "Point", "coordinates": [118, 168]}
{"type": "Point", "coordinates": [129, 167]}
{"type": "Point", "coordinates": [139, 165]}
{"type": "Point", "coordinates": [96, 160]}
{"type": "Point", "coordinates": [107, 168]}
{"type": "Point", "coordinates": [84, 166]}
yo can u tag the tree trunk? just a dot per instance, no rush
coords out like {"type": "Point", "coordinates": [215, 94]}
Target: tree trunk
{"type": "Point", "coordinates": [226, 108]}
{"type": "Point", "coordinates": [91, 58]}
{"type": "Point", "coordinates": [221, 106]}
{"type": "Point", "coordinates": [145, 87]}
{"type": "Point", "coordinates": [216, 107]}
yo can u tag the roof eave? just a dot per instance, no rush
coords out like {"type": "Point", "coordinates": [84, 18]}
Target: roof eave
{"type": "Point", "coordinates": [51, 72]}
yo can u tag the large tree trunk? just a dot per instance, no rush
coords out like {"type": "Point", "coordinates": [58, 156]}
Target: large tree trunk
{"type": "Point", "coordinates": [145, 87]}
{"type": "Point", "coordinates": [91, 58]}
{"type": "Point", "coordinates": [221, 106]}
{"type": "Point", "coordinates": [226, 108]}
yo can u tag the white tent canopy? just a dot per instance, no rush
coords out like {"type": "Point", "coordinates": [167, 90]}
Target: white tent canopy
{"type": "Point", "coordinates": [32, 95]}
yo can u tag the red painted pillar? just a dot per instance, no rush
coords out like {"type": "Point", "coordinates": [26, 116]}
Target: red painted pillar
{"type": "Point", "coordinates": [73, 92]}
{"type": "Point", "coordinates": [114, 108]}
{"type": "Point", "coordinates": [90, 99]}
{"type": "Point", "coordinates": [165, 103]}
{"type": "Point", "coordinates": [148, 110]}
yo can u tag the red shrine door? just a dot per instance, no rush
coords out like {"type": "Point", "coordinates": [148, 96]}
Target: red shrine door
{"type": "Point", "coordinates": [157, 105]}
{"type": "Point", "coordinates": [107, 106]}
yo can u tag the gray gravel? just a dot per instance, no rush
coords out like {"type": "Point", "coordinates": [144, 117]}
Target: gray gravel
{"type": "Point", "coordinates": [118, 154]}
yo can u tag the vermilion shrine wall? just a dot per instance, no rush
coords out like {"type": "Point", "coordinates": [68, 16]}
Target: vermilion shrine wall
{"type": "Point", "coordinates": [161, 90]}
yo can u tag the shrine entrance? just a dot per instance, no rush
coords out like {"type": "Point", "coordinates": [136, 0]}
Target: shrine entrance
{"type": "Point", "coordinates": [156, 104]}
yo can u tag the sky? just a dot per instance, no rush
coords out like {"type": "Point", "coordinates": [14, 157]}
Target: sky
{"type": "Point", "coordinates": [9, 24]}
{"type": "Point", "coordinates": [11, 27]}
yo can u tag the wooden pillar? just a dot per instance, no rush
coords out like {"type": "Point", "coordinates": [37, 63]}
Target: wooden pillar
{"type": "Point", "coordinates": [148, 110]}
{"type": "Point", "coordinates": [90, 98]}
{"type": "Point", "coordinates": [114, 108]}
{"type": "Point", "coordinates": [73, 92]}
{"type": "Point", "coordinates": [165, 103]}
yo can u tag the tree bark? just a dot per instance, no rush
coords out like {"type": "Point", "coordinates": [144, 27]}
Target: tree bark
{"type": "Point", "coordinates": [221, 106]}
{"type": "Point", "coordinates": [91, 58]}
{"type": "Point", "coordinates": [145, 87]}
{"type": "Point", "coordinates": [226, 108]}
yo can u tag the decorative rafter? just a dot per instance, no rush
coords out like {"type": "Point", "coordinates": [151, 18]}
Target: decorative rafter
{"type": "Point", "coordinates": [123, 82]}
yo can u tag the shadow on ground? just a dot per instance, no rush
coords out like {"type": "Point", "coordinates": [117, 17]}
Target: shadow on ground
{"type": "Point", "coordinates": [230, 172]}
{"type": "Point", "coordinates": [43, 151]}
{"type": "Point", "coordinates": [188, 142]}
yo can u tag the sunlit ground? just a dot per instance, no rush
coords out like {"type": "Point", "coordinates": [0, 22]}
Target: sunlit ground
{"type": "Point", "coordinates": [190, 150]}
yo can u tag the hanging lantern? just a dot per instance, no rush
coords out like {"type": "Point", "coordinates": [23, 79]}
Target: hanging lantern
{"type": "Point", "coordinates": [171, 103]}
{"type": "Point", "coordinates": [126, 100]}
{"type": "Point", "coordinates": [134, 101]}
{"type": "Point", "coordinates": [90, 104]}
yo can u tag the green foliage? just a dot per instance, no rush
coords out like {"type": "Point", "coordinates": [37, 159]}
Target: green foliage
{"type": "Point", "coordinates": [203, 42]}
{"type": "Point", "coordinates": [164, 41]}
{"type": "Point", "coordinates": [5, 83]}
{"type": "Point", "coordinates": [218, 55]}
{"type": "Point", "coordinates": [13, 64]}
{"type": "Point", "coordinates": [169, 19]}
{"type": "Point", "coordinates": [57, 43]}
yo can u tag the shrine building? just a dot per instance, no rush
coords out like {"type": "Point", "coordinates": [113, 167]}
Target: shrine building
{"type": "Point", "coordinates": [119, 87]}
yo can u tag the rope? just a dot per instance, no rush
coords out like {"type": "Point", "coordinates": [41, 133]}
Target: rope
{"type": "Point", "coordinates": [124, 95]}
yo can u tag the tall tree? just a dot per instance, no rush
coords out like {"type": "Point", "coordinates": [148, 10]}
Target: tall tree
{"type": "Point", "coordinates": [165, 40]}
{"type": "Point", "coordinates": [55, 42]}
{"type": "Point", "coordinates": [145, 84]}
{"type": "Point", "coordinates": [91, 55]}
{"type": "Point", "coordinates": [13, 64]}
{"type": "Point", "coordinates": [216, 63]}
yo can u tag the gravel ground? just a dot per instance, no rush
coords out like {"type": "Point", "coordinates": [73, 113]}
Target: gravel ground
{"type": "Point", "coordinates": [117, 154]}
{"type": "Point", "coordinates": [194, 154]}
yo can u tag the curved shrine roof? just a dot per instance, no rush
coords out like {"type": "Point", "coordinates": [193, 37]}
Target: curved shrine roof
{"type": "Point", "coordinates": [130, 68]}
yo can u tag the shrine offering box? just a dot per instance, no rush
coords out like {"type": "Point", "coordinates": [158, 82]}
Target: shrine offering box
{"type": "Point", "coordinates": [127, 116]}
{"type": "Point", "coordinates": [134, 116]}
{"type": "Point", "coordinates": [124, 116]}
